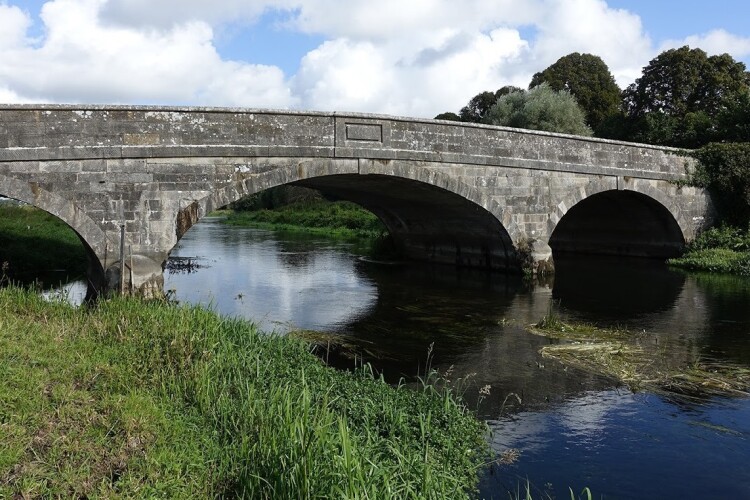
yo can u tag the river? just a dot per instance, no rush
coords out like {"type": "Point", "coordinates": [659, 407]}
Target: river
{"type": "Point", "coordinates": [565, 427]}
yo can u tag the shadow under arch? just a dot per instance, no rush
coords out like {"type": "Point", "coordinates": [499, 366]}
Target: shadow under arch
{"type": "Point", "coordinates": [431, 217]}
{"type": "Point", "coordinates": [94, 240]}
{"type": "Point", "coordinates": [619, 222]}
{"type": "Point", "coordinates": [427, 223]}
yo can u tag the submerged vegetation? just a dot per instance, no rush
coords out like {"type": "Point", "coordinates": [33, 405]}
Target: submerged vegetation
{"type": "Point", "coordinates": [721, 250]}
{"type": "Point", "coordinates": [144, 399]}
{"type": "Point", "coordinates": [636, 360]}
{"type": "Point", "coordinates": [55, 245]}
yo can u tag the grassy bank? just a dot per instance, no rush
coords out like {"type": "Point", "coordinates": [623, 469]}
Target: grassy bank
{"type": "Point", "coordinates": [138, 399]}
{"type": "Point", "coordinates": [340, 218]}
{"type": "Point", "coordinates": [718, 250]}
{"type": "Point", "coordinates": [55, 245]}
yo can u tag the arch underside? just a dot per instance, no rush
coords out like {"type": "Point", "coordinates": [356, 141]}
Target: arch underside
{"type": "Point", "coordinates": [618, 222]}
{"type": "Point", "coordinates": [71, 216]}
{"type": "Point", "coordinates": [427, 223]}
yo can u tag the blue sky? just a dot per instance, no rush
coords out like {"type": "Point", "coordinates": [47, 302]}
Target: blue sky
{"type": "Point", "coordinates": [665, 19]}
{"type": "Point", "coordinates": [405, 57]}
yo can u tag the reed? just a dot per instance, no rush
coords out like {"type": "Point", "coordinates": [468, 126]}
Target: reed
{"type": "Point", "coordinates": [144, 399]}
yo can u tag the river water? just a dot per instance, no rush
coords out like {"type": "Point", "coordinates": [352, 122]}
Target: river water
{"type": "Point", "coordinates": [569, 428]}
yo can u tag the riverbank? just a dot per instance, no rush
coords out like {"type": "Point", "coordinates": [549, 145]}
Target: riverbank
{"type": "Point", "coordinates": [718, 250]}
{"type": "Point", "coordinates": [341, 218]}
{"type": "Point", "coordinates": [139, 399]}
{"type": "Point", "coordinates": [56, 247]}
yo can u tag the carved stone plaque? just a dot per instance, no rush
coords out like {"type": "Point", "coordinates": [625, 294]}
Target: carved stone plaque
{"type": "Point", "coordinates": [364, 132]}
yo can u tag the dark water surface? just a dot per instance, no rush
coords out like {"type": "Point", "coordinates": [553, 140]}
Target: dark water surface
{"type": "Point", "coordinates": [572, 429]}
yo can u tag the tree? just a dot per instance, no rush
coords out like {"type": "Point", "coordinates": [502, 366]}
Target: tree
{"type": "Point", "coordinates": [734, 121]}
{"type": "Point", "coordinates": [691, 130]}
{"type": "Point", "coordinates": [448, 115]}
{"type": "Point", "coordinates": [479, 105]}
{"type": "Point", "coordinates": [681, 94]}
{"type": "Point", "coordinates": [589, 80]}
{"type": "Point", "coordinates": [540, 108]}
{"type": "Point", "coordinates": [724, 169]}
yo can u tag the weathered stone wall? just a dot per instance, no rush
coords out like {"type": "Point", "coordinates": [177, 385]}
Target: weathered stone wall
{"type": "Point", "coordinates": [157, 171]}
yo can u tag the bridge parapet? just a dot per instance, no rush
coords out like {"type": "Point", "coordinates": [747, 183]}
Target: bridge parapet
{"type": "Point", "coordinates": [29, 133]}
{"type": "Point", "coordinates": [451, 192]}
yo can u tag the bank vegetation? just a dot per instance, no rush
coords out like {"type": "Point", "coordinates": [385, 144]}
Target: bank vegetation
{"type": "Point", "coordinates": [139, 399]}
{"type": "Point", "coordinates": [34, 244]}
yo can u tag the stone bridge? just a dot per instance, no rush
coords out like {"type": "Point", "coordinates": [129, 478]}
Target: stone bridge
{"type": "Point", "coordinates": [464, 194]}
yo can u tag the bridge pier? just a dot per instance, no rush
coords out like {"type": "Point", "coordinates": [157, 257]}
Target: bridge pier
{"type": "Point", "coordinates": [536, 257]}
{"type": "Point", "coordinates": [139, 275]}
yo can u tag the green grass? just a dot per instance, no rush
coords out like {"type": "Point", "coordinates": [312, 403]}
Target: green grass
{"type": "Point", "coordinates": [135, 399]}
{"type": "Point", "coordinates": [55, 245]}
{"type": "Point", "coordinates": [527, 493]}
{"type": "Point", "coordinates": [715, 260]}
{"type": "Point", "coordinates": [718, 250]}
{"type": "Point", "coordinates": [341, 219]}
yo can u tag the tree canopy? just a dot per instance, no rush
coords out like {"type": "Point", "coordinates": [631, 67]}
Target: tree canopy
{"type": "Point", "coordinates": [477, 108]}
{"type": "Point", "coordinates": [679, 99]}
{"type": "Point", "coordinates": [540, 108]}
{"type": "Point", "coordinates": [448, 115]}
{"type": "Point", "coordinates": [589, 80]}
{"type": "Point", "coordinates": [734, 120]}
{"type": "Point", "coordinates": [685, 80]}
{"type": "Point", "coordinates": [724, 169]}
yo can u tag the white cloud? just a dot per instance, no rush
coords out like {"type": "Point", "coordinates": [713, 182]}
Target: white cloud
{"type": "Point", "coordinates": [714, 42]}
{"type": "Point", "coordinates": [235, 84]}
{"type": "Point", "coordinates": [414, 20]}
{"type": "Point", "coordinates": [436, 54]}
{"type": "Point", "coordinates": [419, 57]}
{"type": "Point", "coordinates": [14, 24]}
{"type": "Point", "coordinates": [82, 60]}
{"type": "Point", "coordinates": [8, 96]}
{"type": "Point", "coordinates": [590, 26]}
{"type": "Point", "coordinates": [364, 76]}
{"type": "Point", "coordinates": [166, 13]}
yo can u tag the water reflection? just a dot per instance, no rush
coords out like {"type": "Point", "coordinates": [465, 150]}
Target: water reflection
{"type": "Point", "coordinates": [73, 292]}
{"type": "Point", "coordinates": [279, 284]}
{"type": "Point", "coordinates": [572, 428]}
{"type": "Point", "coordinates": [727, 306]}
{"type": "Point", "coordinates": [619, 288]}
{"type": "Point", "coordinates": [623, 445]}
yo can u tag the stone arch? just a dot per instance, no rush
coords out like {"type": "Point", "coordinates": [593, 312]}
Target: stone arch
{"type": "Point", "coordinates": [309, 171]}
{"type": "Point", "coordinates": [92, 237]}
{"type": "Point", "coordinates": [667, 201]}
{"type": "Point", "coordinates": [600, 185]}
{"type": "Point", "coordinates": [435, 177]}
{"type": "Point", "coordinates": [660, 229]}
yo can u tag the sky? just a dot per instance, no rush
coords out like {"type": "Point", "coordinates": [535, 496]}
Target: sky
{"type": "Point", "coordinates": [399, 57]}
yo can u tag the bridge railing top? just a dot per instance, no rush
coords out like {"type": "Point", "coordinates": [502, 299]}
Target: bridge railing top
{"type": "Point", "coordinates": [322, 114]}
{"type": "Point", "coordinates": [45, 132]}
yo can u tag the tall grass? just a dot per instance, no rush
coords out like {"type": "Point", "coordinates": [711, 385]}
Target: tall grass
{"type": "Point", "coordinates": [339, 218]}
{"type": "Point", "coordinates": [139, 399]}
